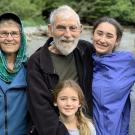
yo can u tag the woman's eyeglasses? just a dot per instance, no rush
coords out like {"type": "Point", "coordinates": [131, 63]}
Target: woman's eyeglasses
{"type": "Point", "coordinates": [14, 34]}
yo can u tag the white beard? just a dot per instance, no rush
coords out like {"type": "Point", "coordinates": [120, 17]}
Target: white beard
{"type": "Point", "coordinates": [65, 46]}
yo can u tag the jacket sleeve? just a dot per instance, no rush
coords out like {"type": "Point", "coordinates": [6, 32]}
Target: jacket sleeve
{"type": "Point", "coordinates": [43, 114]}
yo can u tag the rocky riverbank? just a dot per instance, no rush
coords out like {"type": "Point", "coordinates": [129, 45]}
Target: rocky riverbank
{"type": "Point", "coordinates": [37, 36]}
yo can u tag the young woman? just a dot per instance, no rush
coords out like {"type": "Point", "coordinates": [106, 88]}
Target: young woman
{"type": "Point", "coordinates": [113, 77]}
{"type": "Point", "coordinates": [13, 98]}
{"type": "Point", "coordinates": [69, 99]}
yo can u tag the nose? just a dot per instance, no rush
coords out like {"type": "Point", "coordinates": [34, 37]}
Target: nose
{"type": "Point", "coordinates": [9, 37]}
{"type": "Point", "coordinates": [69, 102]}
{"type": "Point", "coordinates": [67, 33]}
{"type": "Point", "coordinates": [102, 39]}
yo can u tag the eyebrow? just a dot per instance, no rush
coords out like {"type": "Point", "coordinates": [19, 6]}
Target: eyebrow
{"type": "Point", "coordinates": [105, 32]}
{"type": "Point", "coordinates": [67, 96]}
{"type": "Point", "coordinates": [67, 25]}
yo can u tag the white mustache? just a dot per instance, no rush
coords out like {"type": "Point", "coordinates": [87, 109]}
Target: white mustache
{"type": "Point", "coordinates": [67, 41]}
{"type": "Point", "coordinates": [63, 39]}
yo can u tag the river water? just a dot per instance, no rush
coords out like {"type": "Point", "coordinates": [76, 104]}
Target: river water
{"type": "Point", "coordinates": [127, 42]}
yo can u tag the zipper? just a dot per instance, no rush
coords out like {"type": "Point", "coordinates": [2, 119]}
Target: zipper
{"type": "Point", "coordinates": [5, 113]}
{"type": "Point", "coordinates": [5, 109]}
{"type": "Point", "coordinates": [6, 126]}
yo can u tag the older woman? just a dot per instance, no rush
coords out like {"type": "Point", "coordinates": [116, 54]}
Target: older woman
{"type": "Point", "coordinates": [113, 77]}
{"type": "Point", "coordinates": [13, 98]}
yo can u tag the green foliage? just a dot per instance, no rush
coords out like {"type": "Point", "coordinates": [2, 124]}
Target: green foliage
{"type": "Point", "coordinates": [124, 11]}
{"type": "Point", "coordinates": [50, 5]}
{"type": "Point", "coordinates": [133, 2]}
{"type": "Point", "coordinates": [26, 9]}
{"type": "Point", "coordinates": [34, 11]}
{"type": "Point", "coordinates": [21, 7]}
{"type": "Point", "coordinates": [90, 11]}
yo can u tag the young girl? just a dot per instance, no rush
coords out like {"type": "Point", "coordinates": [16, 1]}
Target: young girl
{"type": "Point", "coordinates": [69, 99]}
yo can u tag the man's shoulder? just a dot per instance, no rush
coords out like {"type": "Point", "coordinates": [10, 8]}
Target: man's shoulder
{"type": "Point", "coordinates": [35, 57]}
{"type": "Point", "coordinates": [85, 42]}
{"type": "Point", "coordinates": [84, 45]}
{"type": "Point", "coordinates": [37, 52]}
{"type": "Point", "coordinates": [43, 49]}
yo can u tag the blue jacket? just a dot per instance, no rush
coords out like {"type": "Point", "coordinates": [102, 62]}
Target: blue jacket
{"type": "Point", "coordinates": [113, 77]}
{"type": "Point", "coordinates": [13, 105]}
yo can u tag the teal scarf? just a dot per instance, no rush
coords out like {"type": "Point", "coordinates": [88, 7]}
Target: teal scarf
{"type": "Point", "coordinates": [7, 75]}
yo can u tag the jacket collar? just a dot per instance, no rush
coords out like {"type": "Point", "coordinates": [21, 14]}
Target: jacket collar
{"type": "Point", "coordinates": [18, 81]}
{"type": "Point", "coordinates": [45, 57]}
{"type": "Point", "coordinates": [46, 63]}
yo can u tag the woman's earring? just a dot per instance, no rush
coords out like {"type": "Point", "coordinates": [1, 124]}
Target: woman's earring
{"type": "Point", "coordinates": [55, 104]}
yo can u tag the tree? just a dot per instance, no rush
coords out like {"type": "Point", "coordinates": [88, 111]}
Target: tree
{"type": "Point", "coordinates": [90, 10]}
{"type": "Point", "coordinates": [50, 5]}
{"type": "Point", "coordinates": [124, 11]}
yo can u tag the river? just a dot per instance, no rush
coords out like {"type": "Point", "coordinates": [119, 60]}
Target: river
{"type": "Point", "coordinates": [36, 41]}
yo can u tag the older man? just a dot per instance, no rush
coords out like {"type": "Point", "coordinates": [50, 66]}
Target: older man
{"type": "Point", "coordinates": [63, 57]}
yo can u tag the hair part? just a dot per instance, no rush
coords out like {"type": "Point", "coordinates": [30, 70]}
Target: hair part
{"type": "Point", "coordinates": [83, 121]}
{"type": "Point", "coordinates": [115, 23]}
{"type": "Point", "coordinates": [63, 10]}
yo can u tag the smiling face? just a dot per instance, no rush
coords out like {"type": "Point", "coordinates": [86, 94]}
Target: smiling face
{"type": "Point", "coordinates": [65, 32]}
{"type": "Point", "coordinates": [68, 102]}
{"type": "Point", "coordinates": [9, 37]}
{"type": "Point", "coordinates": [105, 38]}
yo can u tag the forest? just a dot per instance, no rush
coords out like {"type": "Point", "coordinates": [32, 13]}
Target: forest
{"type": "Point", "coordinates": [34, 12]}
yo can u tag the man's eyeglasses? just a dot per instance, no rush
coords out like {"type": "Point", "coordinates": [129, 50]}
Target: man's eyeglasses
{"type": "Point", "coordinates": [72, 28]}
{"type": "Point", "coordinates": [14, 34]}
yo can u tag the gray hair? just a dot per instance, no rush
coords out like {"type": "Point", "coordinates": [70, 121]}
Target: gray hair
{"type": "Point", "coordinates": [10, 21]}
{"type": "Point", "coordinates": [63, 9]}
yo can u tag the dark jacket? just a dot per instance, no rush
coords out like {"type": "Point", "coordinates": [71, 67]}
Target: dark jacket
{"type": "Point", "coordinates": [42, 79]}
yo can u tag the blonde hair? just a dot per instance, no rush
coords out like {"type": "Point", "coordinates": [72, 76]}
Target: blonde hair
{"type": "Point", "coordinates": [83, 122]}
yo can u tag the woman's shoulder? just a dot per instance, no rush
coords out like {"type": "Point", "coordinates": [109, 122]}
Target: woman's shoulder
{"type": "Point", "coordinates": [116, 55]}
{"type": "Point", "coordinates": [125, 53]}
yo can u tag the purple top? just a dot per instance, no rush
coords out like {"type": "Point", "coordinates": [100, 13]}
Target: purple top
{"type": "Point", "coordinates": [114, 75]}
